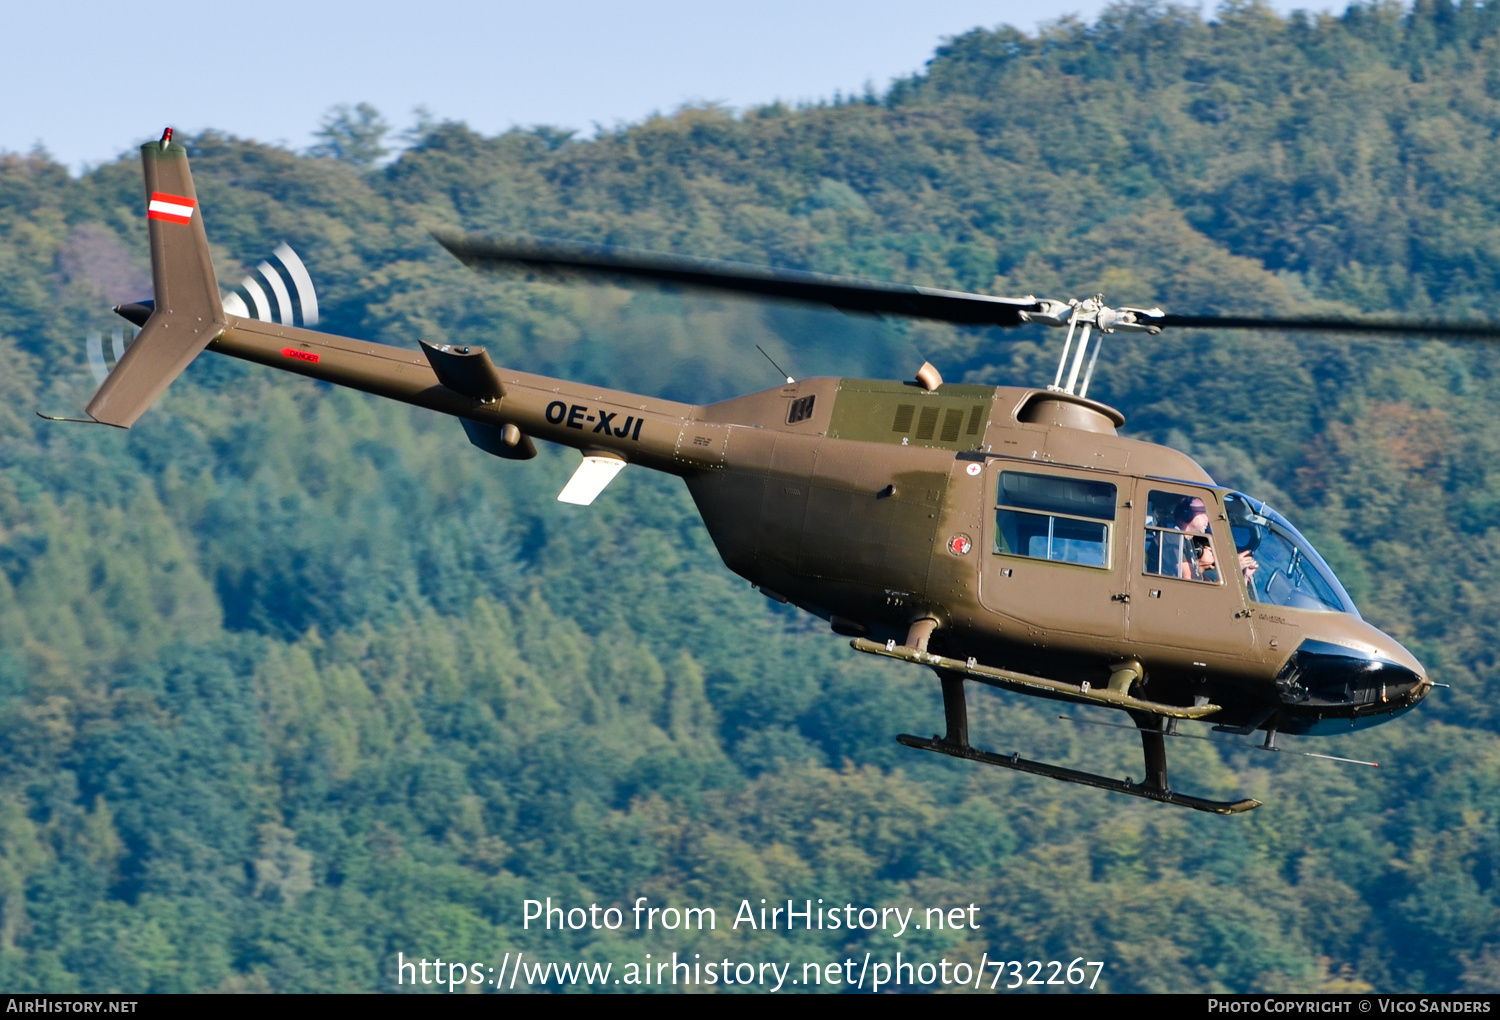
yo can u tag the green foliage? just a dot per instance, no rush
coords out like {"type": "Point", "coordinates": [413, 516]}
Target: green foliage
{"type": "Point", "coordinates": [292, 680]}
{"type": "Point", "coordinates": [352, 134]}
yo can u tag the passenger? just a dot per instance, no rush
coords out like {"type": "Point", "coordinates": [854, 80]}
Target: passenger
{"type": "Point", "coordinates": [1204, 566]}
{"type": "Point", "coordinates": [1191, 518]}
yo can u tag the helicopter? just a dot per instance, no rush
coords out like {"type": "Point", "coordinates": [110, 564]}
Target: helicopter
{"type": "Point", "coordinates": [1002, 535]}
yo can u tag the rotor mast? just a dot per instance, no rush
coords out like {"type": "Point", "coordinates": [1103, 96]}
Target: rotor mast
{"type": "Point", "coordinates": [1096, 319]}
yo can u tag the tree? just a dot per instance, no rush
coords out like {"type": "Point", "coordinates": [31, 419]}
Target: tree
{"type": "Point", "coordinates": [352, 134]}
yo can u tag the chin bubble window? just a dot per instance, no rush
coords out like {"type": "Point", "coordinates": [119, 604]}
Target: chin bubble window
{"type": "Point", "coordinates": [1177, 538]}
{"type": "Point", "coordinates": [1048, 517]}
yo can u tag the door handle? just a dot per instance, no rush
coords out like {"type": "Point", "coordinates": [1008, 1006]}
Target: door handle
{"type": "Point", "coordinates": [1122, 597]}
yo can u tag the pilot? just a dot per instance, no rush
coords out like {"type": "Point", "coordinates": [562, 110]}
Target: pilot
{"type": "Point", "coordinates": [1248, 567]}
{"type": "Point", "coordinates": [1246, 541]}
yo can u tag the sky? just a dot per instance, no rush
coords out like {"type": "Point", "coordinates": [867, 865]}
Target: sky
{"type": "Point", "coordinates": [88, 80]}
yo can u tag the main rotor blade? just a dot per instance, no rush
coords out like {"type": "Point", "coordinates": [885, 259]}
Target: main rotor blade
{"type": "Point", "coordinates": [843, 293]}
{"type": "Point", "coordinates": [849, 294]}
{"type": "Point", "coordinates": [1447, 330]}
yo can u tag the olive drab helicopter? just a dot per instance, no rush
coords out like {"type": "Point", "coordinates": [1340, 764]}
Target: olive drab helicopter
{"type": "Point", "coordinates": [1007, 535]}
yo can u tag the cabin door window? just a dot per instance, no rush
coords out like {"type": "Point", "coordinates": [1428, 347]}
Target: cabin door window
{"type": "Point", "coordinates": [1050, 517]}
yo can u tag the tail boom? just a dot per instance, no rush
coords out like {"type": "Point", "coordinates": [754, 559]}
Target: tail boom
{"type": "Point", "coordinates": [641, 430]}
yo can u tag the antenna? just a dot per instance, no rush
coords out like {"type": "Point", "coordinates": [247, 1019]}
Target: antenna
{"type": "Point", "coordinates": [772, 360]}
{"type": "Point", "coordinates": [1269, 745]}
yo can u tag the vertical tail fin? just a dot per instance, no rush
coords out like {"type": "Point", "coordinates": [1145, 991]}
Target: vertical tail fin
{"type": "Point", "coordinates": [187, 313]}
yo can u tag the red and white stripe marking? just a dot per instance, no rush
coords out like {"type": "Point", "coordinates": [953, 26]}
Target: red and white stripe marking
{"type": "Point", "coordinates": [172, 208]}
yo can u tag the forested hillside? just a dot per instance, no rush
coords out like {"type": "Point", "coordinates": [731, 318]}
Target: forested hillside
{"type": "Point", "coordinates": [293, 680]}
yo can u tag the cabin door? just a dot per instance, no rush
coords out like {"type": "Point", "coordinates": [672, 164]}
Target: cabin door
{"type": "Point", "coordinates": [1185, 586]}
{"type": "Point", "coordinates": [1055, 550]}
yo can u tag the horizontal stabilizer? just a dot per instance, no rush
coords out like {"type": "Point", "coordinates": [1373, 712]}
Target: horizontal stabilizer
{"type": "Point", "coordinates": [590, 479]}
{"type": "Point", "coordinates": [466, 370]}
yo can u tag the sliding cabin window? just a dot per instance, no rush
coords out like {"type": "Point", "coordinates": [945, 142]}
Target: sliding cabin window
{"type": "Point", "coordinates": [1178, 542]}
{"type": "Point", "coordinates": [1048, 517]}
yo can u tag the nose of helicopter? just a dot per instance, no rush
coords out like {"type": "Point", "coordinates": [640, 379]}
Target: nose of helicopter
{"type": "Point", "coordinates": [1347, 673]}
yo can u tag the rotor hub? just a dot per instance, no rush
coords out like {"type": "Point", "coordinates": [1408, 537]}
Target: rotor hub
{"type": "Point", "coordinates": [1092, 314]}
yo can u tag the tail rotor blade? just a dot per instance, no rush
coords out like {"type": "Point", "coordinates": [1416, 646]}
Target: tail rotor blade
{"type": "Point", "coordinates": [96, 357]}
{"type": "Point", "coordinates": [258, 298]}
{"type": "Point", "coordinates": [276, 280]}
{"type": "Point", "coordinates": [307, 295]}
{"type": "Point", "coordinates": [117, 343]}
{"type": "Point", "coordinates": [283, 299]}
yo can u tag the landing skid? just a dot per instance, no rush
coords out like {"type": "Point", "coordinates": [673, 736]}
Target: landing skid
{"type": "Point", "coordinates": [1037, 768]}
{"type": "Point", "coordinates": [955, 744]}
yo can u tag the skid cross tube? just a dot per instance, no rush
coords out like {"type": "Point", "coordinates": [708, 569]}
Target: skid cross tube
{"type": "Point", "coordinates": [1024, 683]}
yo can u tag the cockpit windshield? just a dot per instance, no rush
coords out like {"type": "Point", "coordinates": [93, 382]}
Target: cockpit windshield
{"type": "Point", "coordinates": [1279, 566]}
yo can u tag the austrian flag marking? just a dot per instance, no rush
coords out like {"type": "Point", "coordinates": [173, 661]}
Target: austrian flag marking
{"type": "Point", "coordinates": [172, 208]}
